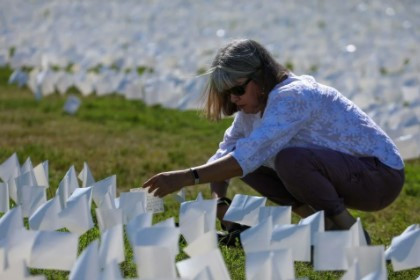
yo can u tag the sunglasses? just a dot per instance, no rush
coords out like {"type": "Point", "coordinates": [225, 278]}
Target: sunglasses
{"type": "Point", "coordinates": [238, 90]}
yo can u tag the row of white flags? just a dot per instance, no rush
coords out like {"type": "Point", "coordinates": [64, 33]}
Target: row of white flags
{"type": "Point", "coordinates": [271, 244]}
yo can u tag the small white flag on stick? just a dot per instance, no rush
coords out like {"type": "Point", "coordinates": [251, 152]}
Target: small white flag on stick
{"type": "Point", "coordinates": [104, 192]}
{"type": "Point", "coordinates": [46, 217]}
{"type": "Point", "coordinates": [67, 186]}
{"type": "Point", "coordinates": [10, 168]}
{"type": "Point", "coordinates": [270, 264]}
{"type": "Point", "coordinates": [86, 176]}
{"type": "Point", "coordinates": [294, 237]}
{"type": "Point", "coordinates": [108, 218]}
{"type": "Point", "coordinates": [76, 217]}
{"type": "Point", "coordinates": [31, 198]}
{"type": "Point", "coordinates": [112, 246]}
{"type": "Point", "coordinates": [213, 261]}
{"type": "Point", "coordinates": [330, 249]}
{"type": "Point", "coordinates": [244, 209]}
{"type": "Point", "coordinates": [316, 222]}
{"type": "Point", "coordinates": [404, 251]}
{"type": "Point", "coordinates": [279, 215]}
{"type": "Point", "coordinates": [371, 261]}
{"type": "Point", "coordinates": [87, 265]}
{"type": "Point", "coordinates": [207, 206]}
{"type": "Point", "coordinates": [10, 222]}
{"type": "Point", "coordinates": [41, 174]}
{"type": "Point", "coordinates": [257, 238]}
{"type": "Point", "coordinates": [202, 245]}
{"type": "Point", "coordinates": [132, 204]}
{"type": "Point", "coordinates": [154, 262]}
{"type": "Point", "coordinates": [54, 250]}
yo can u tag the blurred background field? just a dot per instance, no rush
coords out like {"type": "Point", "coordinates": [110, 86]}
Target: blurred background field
{"type": "Point", "coordinates": [134, 141]}
{"type": "Point", "coordinates": [155, 51]}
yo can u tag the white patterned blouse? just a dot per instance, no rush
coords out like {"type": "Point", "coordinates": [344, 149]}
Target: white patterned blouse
{"type": "Point", "coordinates": [303, 113]}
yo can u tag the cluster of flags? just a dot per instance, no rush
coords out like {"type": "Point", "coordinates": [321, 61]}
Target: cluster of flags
{"type": "Point", "coordinates": [271, 244]}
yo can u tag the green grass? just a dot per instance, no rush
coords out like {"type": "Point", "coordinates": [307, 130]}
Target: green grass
{"type": "Point", "coordinates": [134, 141]}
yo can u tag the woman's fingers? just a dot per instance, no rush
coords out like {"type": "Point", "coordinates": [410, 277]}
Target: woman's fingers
{"type": "Point", "coordinates": [154, 184]}
{"type": "Point", "coordinates": [160, 188]}
{"type": "Point", "coordinates": [151, 188]}
{"type": "Point", "coordinates": [159, 193]}
{"type": "Point", "coordinates": [162, 184]}
{"type": "Point", "coordinates": [149, 182]}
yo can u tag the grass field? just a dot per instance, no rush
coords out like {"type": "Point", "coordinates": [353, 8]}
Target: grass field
{"type": "Point", "coordinates": [133, 141]}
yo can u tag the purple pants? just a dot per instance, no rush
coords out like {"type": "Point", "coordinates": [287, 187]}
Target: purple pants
{"type": "Point", "coordinates": [327, 180]}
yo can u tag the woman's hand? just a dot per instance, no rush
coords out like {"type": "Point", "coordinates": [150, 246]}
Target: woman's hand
{"type": "Point", "coordinates": [172, 181]}
{"type": "Point", "coordinates": [169, 182]}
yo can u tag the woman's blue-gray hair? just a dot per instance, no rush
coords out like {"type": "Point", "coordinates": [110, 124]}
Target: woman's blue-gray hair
{"type": "Point", "coordinates": [237, 60]}
{"type": "Point", "coordinates": [243, 58]}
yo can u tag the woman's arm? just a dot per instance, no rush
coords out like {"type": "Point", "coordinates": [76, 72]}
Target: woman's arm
{"type": "Point", "coordinates": [215, 171]}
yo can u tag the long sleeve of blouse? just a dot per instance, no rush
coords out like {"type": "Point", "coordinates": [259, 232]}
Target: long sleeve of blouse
{"type": "Point", "coordinates": [231, 136]}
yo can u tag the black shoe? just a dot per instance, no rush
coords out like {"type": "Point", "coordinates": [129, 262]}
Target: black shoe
{"type": "Point", "coordinates": [232, 238]}
{"type": "Point", "coordinates": [237, 227]}
{"type": "Point", "coordinates": [228, 239]}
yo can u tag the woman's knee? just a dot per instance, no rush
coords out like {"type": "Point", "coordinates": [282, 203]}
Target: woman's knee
{"type": "Point", "coordinates": [265, 181]}
{"type": "Point", "coordinates": [292, 160]}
